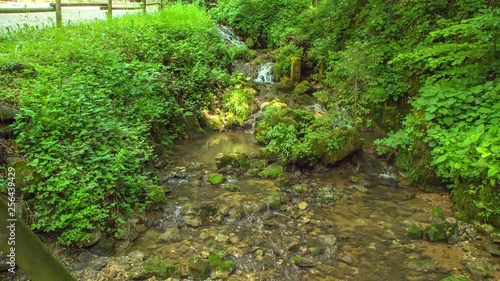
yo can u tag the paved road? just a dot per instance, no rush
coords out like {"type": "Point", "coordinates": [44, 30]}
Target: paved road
{"type": "Point", "coordinates": [69, 14]}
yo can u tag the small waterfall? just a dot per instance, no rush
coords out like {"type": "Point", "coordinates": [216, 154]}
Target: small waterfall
{"type": "Point", "coordinates": [228, 34]}
{"type": "Point", "coordinates": [266, 73]}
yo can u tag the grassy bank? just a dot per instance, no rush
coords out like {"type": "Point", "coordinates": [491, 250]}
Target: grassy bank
{"type": "Point", "coordinates": [91, 96]}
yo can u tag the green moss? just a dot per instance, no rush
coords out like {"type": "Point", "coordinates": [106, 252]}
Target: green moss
{"type": "Point", "coordinates": [440, 232]}
{"type": "Point", "coordinates": [304, 88]}
{"type": "Point", "coordinates": [272, 172]}
{"type": "Point", "coordinates": [159, 268]}
{"type": "Point", "coordinates": [297, 259]}
{"type": "Point", "coordinates": [466, 207]}
{"type": "Point", "coordinates": [274, 200]}
{"type": "Point", "coordinates": [216, 179]}
{"type": "Point", "coordinates": [299, 188]}
{"type": "Point", "coordinates": [232, 187]}
{"type": "Point", "coordinates": [454, 278]}
{"type": "Point", "coordinates": [417, 164]}
{"type": "Point", "coordinates": [156, 267]}
{"type": "Point", "coordinates": [437, 213]}
{"type": "Point", "coordinates": [218, 262]}
{"type": "Point", "coordinates": [414, 232]}
{"type": "Point", "coordinates": [198, 268]}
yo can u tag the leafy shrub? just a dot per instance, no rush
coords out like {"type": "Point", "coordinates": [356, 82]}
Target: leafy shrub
{"type": "Point", "coordinates": [240, 102]}
{"type": "Point", "coordinates": [457, 111]}
{"type": "Point", "coordinates": [302, 139]}
{"type": "Point", "coordinates": [101, 91]}
{"type": "Point", "coordinates": [261, 20]}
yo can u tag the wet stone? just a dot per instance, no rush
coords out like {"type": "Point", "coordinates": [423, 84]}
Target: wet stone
{"type": "Point", "coordinates": [306, 262]}
{"type": "Point", "coordinates": [170, 235]}
{"type": "Point", "coordinates": [360, 188]}
{"type": "Point", "coordinates": [359, 180]}
{"type": "Point", "coordinates": [198, 268]}
{"type": "Point", "coordinates": [329, 240]}
{"type": "Point", "coordinates": [421, 265]}
{"type": "Point", "coordinates": [480, 269]}
{"type": "Point", "coordinates": [471, 232]}
{"type": "Point", "coordinates": [495, 237]}
{"type": "Point", "coordinates": [136, 256]}
{"type": "Point", "coordinates": [492, 248]}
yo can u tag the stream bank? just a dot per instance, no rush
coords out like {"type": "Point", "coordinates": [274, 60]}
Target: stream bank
{"type": "Point", "coordinates": [250, 218]}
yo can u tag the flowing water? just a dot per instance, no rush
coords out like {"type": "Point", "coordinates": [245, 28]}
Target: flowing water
{"type": "Point", "coordinates": [266, 73]}
{"type": "Point", "coordinates": [341, 234]}
{"type": "Point", "coordinates": [229, 36]}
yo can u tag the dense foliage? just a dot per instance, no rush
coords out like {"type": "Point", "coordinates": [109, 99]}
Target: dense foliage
{"type": "Point", "coordinates": [102, 95]}
{"type": "Point", "coordinates": [435, 62]}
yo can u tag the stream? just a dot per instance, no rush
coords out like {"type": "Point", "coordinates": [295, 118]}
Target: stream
{"type": "Point", "coordinates": [341, 233]}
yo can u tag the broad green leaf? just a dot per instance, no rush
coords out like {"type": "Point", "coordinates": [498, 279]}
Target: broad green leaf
{"type": "Point", "coordinates": [440, 159]}
{"type": "Point", "coordinates": [492, 171]}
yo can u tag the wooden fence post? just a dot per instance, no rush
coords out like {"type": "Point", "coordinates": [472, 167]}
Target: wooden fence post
{"type": "Point", "coordinates": [162, 4]}
{"type": "Point", "coordinates": [110, 9]}
{"type": "Point", "coordinates": [58, 13]}
{"type": "Point", "coordinates": [144, 2]}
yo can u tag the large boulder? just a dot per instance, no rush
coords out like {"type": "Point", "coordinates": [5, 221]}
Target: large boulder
{"type": "Point", "coordinates": [233, 159]}
{"type": "Point", "coordinates": [7, 114]}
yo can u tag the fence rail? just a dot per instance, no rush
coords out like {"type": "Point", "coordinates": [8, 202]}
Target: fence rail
{"type": "Point", "coordinates": [57, 8]}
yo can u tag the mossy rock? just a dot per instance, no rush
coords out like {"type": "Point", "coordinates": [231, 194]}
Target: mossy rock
{"type": "Point", "coordinates": [231, 187]}
{"type": "Point", "coordinates": [272, 172]}
{"type": "Point", "coordinates": [156, 268]}
{"type": "Point", "coordinates": [299, 188]}
{"type": "Point", "coordinates": [299, 119]}
{"type": "Point", "coordinates": [233, 159]}
{"type": "Point", "coordinates": [216, 179]}
{"type": "Point", "coordinates": [217, 262]}
{"type": "Point", "coordinates": [455, 278]}
{"type": "Point", "coordinates": [198, 268]}
{"type": "Point", "coordinates": [440, 232]}
{"type": "Point", "coordinates": [480, 269]}
{"type": "Point", "coordinates": [259, 164]}
{"type": "Point", "coordinates": [268, 124]}
{"type": "Point", "coordinates": [25, 174]}
{"type": "Point", "coordinates": [192, 126]}
{"type": "Point", "coordinates": [295, 69]}
{"type": "Point", "coordinates": [304, 88]}
{"type": "Point", "coordinates": [349, 141]}
{"type": "Point", "coordinates": [274, 200]}
{"type": "Point", "coordinates": [213, 122]}
{"type": "Point", "coordinates": [414, 232]}
{"type": "Point", "coordinates": [437, 214]}
{"type": "Point", "coordinates": [285, 85]}
{"type": "Point", "coordinates": [421, 265]}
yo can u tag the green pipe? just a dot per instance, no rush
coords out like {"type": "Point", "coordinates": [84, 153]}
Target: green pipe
{"type": "Point", "coordinates": [25, 250]}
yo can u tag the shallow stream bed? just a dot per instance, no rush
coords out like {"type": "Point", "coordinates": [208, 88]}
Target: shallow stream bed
{"type": "Point", "coordinates": [324, 227]}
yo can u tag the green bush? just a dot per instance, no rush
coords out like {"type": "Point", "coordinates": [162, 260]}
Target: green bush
{"type": "Point", "coordinates": [239, 102]}
{"type": "Point", "coordinates": [100, 92]}
{"type": "Point", "coordinates": [302, 139]}
{"type": "Point", "coordinates": [261, 20]}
